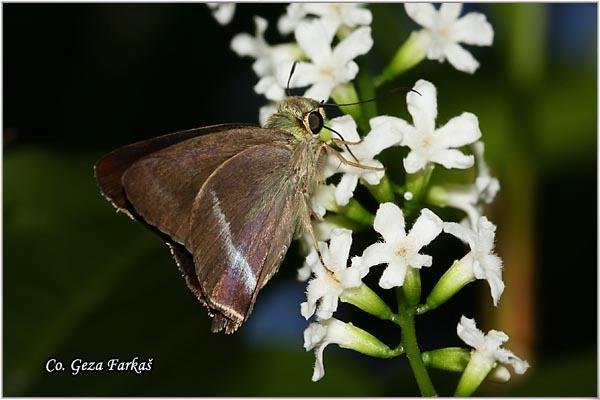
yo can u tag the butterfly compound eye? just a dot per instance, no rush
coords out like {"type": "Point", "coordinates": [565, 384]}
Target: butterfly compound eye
{"type": "Point", "coordinates": [315, 122]}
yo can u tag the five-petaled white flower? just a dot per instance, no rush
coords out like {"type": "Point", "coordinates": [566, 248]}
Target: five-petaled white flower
{"type": "Point", "coordinates": [470, 197]}
{"type": "Point", "coordinates": [330, 281]}
{"type": "Point", "coordinates": [267, 58]}
{"type": "Point", "coordinates": [428, 144]}
{"type": "Point", "coordinates": [328, 67]}
{"type": "Point", "coordinates": [485, 264]}
{"type": "Point", "coordinates": [384, 133]}
{"type": "Point", "coordinates": [222, 12]}
{"type": "Point", "coordinates": [443, 30]}
{"type": "Point", "coordinates": [487, 348]}
{"type": "Point", "coordinates": [400, 250]}
{"type": "Point", "coordinates": [333, 15]}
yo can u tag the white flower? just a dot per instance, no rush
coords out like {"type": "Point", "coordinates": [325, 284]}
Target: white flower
{"type": "Point", "coordinates": [318, 335]}
{"type": "Point", "coordinates": [428, 144]}
{"type": "Point", "coordinates": [331, 281]}
{"type": "Point", "coordinates": [328, 67]}
{"type": "Point", "coordinates": [487, 348]}
{"type": "Point", "coordinates": [469, 197]}
{"type": "Point", "coordinates": [323, 199]}
{"type": "Point", "coordinates": [399, 250]}
{"type": "Point", "coordinates": [323, 230]}
{"type": "Point", "coordinates": [384, 133]}
{"type": "Point", "coordinates": [267, 56]}
{"type": "Point", "coordinates": [333, 15]}
{"type": "Point", "coordinates": [222, 12]}
{"type": "Point", "coordinates": [487, 185]}
{"type": "Point", "coordinates": [485, 264]}
{"type": "Point", "coordinates": [443, 31]}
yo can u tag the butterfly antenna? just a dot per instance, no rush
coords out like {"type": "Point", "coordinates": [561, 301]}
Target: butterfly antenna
{"type": "Point", "coordinates": [388, 94]}
{"type": "Point", "coordinates": [287, 86]}
{"type": "Point", "coordinates": [345, 144]}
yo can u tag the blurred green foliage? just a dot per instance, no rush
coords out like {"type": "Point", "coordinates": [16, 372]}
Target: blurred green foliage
{"type": "Point", "coordinates": [83, 282]}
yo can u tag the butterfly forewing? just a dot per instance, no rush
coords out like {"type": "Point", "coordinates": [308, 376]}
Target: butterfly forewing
{"type": "Point", "coordinates": [110, 169]}
{"type": "Point", "coordinates": [242, 224]}
{"type": "Point", "coordinates": [162, 186]}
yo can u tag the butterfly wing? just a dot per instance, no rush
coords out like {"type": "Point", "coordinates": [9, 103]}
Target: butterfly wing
{"type": "Point", "coordinates": [110, 169]}
{"type": "Point", "coordinates": [162, 186]}
{"type": "Point", "coordinates": [152, 173]}
{"type": "Point", "coordinates": [243, 220]}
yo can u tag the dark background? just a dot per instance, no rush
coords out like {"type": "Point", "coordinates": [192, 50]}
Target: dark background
{"type": "Point", "coordinates": [81, 281]}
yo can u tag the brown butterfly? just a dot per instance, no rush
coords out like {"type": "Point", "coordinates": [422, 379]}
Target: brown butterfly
{"type": "Point", "coordinates": [227, 199]}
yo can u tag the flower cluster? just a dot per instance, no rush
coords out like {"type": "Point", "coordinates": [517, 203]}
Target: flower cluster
{"type": "Point", "coordinates": [329, 41]}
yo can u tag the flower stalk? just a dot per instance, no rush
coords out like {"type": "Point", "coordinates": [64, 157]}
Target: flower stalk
{"type": "Point", "coordinates": [406, 321]}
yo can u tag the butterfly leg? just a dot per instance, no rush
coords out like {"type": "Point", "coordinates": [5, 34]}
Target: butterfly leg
{"type": "Point", "coordinates": [306, 222]}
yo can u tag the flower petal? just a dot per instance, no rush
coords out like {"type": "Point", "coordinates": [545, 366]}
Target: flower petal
{"type": "Point", "coordinates": [304, 272]}
{"type": "Point", "coordinates": [414, 162]}
{"type": "Point", "coordinates": [319, 370]}
{"type": "Point", "coordinates": [315, 40]}
{"type": "Point", "coordinates": [453, 158]}
{"type": "Point", "coordinates": [422, 106]}
{"type": "Point", "coordinates": [426, 228]}
{"type": "Point", "coordinates": [314, 335]}
{"type": "Point", "coordinates": [372, 177]}
{"type": "Point", "coordinates": [393, 276]}
{"type": "Point", "coordinates": [265, 112]}
{"type": "Point", "coordinates": [320, 91]}
{"type": "Point", "coordinates": [222, 12]}
{"type": "Point", "coordinates": [385, 135]}
{"type": "Point", "coordinates": [345, 189]}
{"type": "Point", "coordinates": [460, 58]}
{"type": "Point", "coordinates": [356, 44]}
{"type": "Point", "coordinates": [420, 260]}
{"type": "Point", "coordinates": [486, 231]}
{"type": "Point", "coordinates": [269, 87]}
{"type": "Point", "coordinates": [244, 44]}
{"type": "Point", "coordinates": [474, 29]}
{"type": "Point", "coordinates": [461, 232]}
{"type": "Point", "coordinates": [339, 247]}
{"type": "Point", "coordinates": [490, 269]}
{"type": "Point", "coordinates": [459, 131]}
{"type": "Point", "coordinates": [328, 304]}
{"type": "Point", "coordinates": [294, 13]}
{"type": "Point", "coordinates": [448, 13]}
{"type": "Point", "coordinates": [375, 254]}
{"type": "Point", "coordinates": [468, 332]}
{"type": "Point", "coordinates": [389, 222]}
{"type": "Point", "coordinates": [346, 126]}
{"type": "Point", "coordinates": [423, 14]}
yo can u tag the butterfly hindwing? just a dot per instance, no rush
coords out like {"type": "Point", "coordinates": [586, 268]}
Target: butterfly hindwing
{"type": "Point", "coordinates": [242, 223]}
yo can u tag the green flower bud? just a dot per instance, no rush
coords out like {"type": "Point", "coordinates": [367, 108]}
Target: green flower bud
{"type": "Point", "coordinates": [367, 300]}
{"type": "Point", "coordinates": [455, 278]}
{"type": "Point", "coordinates": [455, 359]}
{"type": "Point", "coordinates": [409, 54]}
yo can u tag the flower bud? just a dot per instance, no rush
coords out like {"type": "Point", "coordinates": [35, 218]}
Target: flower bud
{"type": "Point", "coordinates": [412, 52]}
{"type": "Point", "coordinates": [454, 279]}
{"type": "Point", "coordinates": [367, 300]}
{"type": "Point", "coordinates": [455, 359]}
{"type": "Point", "coordinates": [412, 287]}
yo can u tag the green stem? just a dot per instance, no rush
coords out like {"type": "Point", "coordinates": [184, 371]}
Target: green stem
{"type": "Point", "coordinates": [356, 212]}
{"type": "Point", "coordinates": [383, 192]}
{"type": "Point", "coordinates": [411, 347]}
